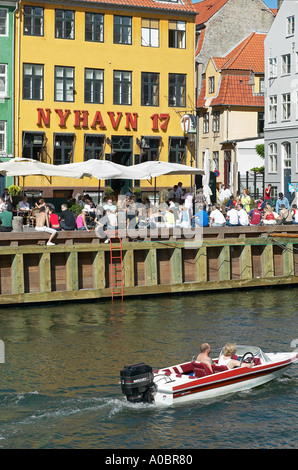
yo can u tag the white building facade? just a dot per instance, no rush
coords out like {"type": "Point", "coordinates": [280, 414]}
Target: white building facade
{"type": "Point", "coordinates": [281, 100]}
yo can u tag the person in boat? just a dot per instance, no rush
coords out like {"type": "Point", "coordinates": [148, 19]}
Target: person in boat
{"type": "Point", "coordinates": [204, 355]}
{"type": "Point", "coordinates": [226, 359]}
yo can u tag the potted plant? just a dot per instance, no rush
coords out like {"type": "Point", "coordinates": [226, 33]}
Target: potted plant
{"type": "Point", "coordinates": [15, 192]}
{"type": "Point", "coordinates": [109, 191]}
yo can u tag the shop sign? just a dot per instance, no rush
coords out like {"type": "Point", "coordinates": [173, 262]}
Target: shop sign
{"type": "Point", "coordinates": [82, 119]}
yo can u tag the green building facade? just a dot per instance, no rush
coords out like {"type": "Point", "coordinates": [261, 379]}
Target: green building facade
{"type": "Point", "coordinates": [7, 14]}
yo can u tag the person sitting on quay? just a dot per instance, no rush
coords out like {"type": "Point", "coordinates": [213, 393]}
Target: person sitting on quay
{"type": "Point", "coordinates": [268, 217]}
{"type": "Point", "coordinates": [5, 219]}
{"type": "Point", "coordinates": [285, 215]}
{"type": "Point", "coordinates": [200, 218]}
{"type": "Point", "coordinates": [281, 200]}
{"type": "Point", "coordinates": [295, 214]}
{"type": "Point", "coordinates": [243, 216]}
{"type": "Point", "coordinates": [67, 218]}
{"type": "Point", "coordinates": [40, 203]}
{"type": "Point", "coordinates": [53, 217]}
{"type": "Point", "coordinates": [43, 225]}
{"type": "Point", "coordinates": [232, 217]}
{"type": "Point", "coordinates": [255, 215]}
{"type": "Point", "coordinates": [216, 217]}
{"type": "Point", "coordinates": [81, 221]}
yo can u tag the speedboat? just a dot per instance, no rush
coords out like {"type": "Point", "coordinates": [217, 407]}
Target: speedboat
{"type": "Point", "coordinates": [194, 380]}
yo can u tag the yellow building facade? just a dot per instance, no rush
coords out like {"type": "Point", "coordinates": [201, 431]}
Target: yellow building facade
{"type": "Point", "coordinates": [95, 80]}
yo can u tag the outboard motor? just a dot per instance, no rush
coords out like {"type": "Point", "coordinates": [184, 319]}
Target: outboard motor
{"type": "Point", "coordinates": [137, 383]}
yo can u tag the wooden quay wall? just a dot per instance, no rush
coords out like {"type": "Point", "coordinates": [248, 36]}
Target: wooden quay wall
{"type": "Point", "coordinates": [79, 266]}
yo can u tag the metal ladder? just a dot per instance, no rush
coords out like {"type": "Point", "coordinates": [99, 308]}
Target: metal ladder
{"type": "Point", "coordinates": [116, 267]}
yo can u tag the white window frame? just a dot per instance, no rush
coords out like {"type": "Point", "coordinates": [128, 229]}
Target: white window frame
{"type": "Point", "coordinates": [272, 157]}
{"type": "Point", "coordinates": [286, 64]}
{"type": "Point", "coordinates": [273, 108]}
{"type": "Point", "coordinates": [291, 25]}
{"type": "Point", "coordinates": [272, 67]}
{"type": "Point", "coordinates": [296, 157]}
{"type": "Point", "coordinates": [6, 23]}
{"type": "Point", "coordinates": [3, 133]}
{"type": "Point", "coordinates": [286, 107]}
{"type": "Point", "coordinates": [286, 154]}
{"type": "Point", "coordinates": [150, 34]}
{"type": "Point", "coordinates": [3, 94]}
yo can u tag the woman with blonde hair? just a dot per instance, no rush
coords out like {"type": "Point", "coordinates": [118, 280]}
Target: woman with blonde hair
{"type": "Point", "coordinates": [268, 217]}
{"type": "Point", "coordinates": [226, 359]}
{"type": "Point", "coordinates": [245, 199]}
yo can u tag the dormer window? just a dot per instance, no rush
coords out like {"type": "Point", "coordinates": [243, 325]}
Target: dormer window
{"type": "Point", "coordinates": [211, 84]}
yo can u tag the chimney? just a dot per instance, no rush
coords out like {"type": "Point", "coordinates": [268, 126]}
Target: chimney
{"type": "Point", "coordinates": [279, 2]}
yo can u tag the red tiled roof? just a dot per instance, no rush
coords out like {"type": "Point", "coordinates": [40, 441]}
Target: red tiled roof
{"type": "Point", "coordinates": [248, 55]}
{"type": "Point", "coordinates": [179, 6]}
{"type": "Point", "coordinates": [234, 88]}
{"type": "Point", "coordinates": [201, 40]}
{"type": "Point", "coordinates": [207, 8]}
{"type": "Point", "coordinates": [235, 91]}
{"type": "Point", "coordinates": [219, 62]}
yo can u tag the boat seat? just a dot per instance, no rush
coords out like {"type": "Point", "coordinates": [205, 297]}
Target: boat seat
{"type": "Point", "coordinates": [217, 368]}
{"type": "Point", "coordinates": [200, 369]}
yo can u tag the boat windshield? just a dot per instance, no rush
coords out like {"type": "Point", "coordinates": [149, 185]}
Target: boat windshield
{"type": "Point", "coordinates": [257, 352]}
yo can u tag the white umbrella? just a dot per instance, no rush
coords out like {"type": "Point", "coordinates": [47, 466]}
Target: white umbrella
{"type": "Point", "coordinates": [158, 168]}
{"type": "Point", "coordinates": [105, 170]}
{"type": "Point", "coordinates": [206, 178]}
{"type": "Point", "coordinates": [28, 167]}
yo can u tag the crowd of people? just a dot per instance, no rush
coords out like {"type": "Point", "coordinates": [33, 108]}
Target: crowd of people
{"type": "Point", "coordinates": [181, 209]}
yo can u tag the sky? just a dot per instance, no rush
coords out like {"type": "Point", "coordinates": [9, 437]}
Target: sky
{"type": "Point", "coordinates": [270, 3]}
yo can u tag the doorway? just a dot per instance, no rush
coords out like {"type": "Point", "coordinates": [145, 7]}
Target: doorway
{"type": "Point", "coordinates": [121, 153]}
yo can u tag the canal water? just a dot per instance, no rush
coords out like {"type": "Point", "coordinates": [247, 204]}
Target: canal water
{"type": "Point", "coordinates": [60, 380]}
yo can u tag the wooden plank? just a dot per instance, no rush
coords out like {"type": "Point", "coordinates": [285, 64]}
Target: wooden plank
{"type": "Point", "coordinates": [17, 269]}
{"type": "Point", "coordinates": [224, 264]}
{"type": "Point", "coordinates": [45, 272]}
{"type": "Point", "coordinates": [128, 268]}
{"type": "Point", "coordinates": [99, 277]}
{"type": "Point", "coordinates": [176, 266]}
{"type": "Point", "coordinates": [72, 272]}
{"type": "Point", "coordinates": [268, 264]}
{"type": "Point", "coordinates": [151, 268]}
{"type": "Point", "coordinates": [288, 261]}
{"type": "Point", "coordinates": [201, 263]}
{"type": "Point", "coordinates": [246, 262]}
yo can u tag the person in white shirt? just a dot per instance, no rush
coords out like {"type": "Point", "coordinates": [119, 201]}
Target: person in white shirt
{"type": "Point", "coordinates": [24, 205]}
{"type": "Point", "coordinates": [216, 217]}
{"type": "Point", "coordinates": [243, 215]}
{"type": "Point", "coordinates": [232, 217]}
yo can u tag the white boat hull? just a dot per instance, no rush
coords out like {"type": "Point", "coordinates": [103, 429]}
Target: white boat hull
{"type": "Point", "coordinates": [182, 390]}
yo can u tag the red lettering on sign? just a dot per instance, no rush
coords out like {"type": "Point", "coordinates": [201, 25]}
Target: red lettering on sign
{"type": "Point", "coordinates": [81, 116]}
{"type": "Point", "coordinates": [62, 116]}
{"type": "Point", "coordinates": [98, 121]}
{"type": "Point", "coordinates": [154, 118]}
{"type": "Point", "coordinates": [165, 118]}
{"type": "Point", "coordinates": [43, 117]}
{"type": "Point", "coordinates": [114, 123]}
{"type": "Point", "coordinates": [131, 121]}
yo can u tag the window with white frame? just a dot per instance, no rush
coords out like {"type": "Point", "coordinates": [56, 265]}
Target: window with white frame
{"type": "Point", "coordinates": [286, 154]}
{"type": "Point", "coordinates": [177, 34]}
{"type": "Point", "coordinates": [3, 80]}
{"type": "Point", "coordinates": [3, 136]}
{"type": "Point", "coordinates": [215, 160]}
{"type": "Point", "coordinates": [286, 64]}
{"type": "Point", "coordinates": [290, 25]}
{"type": "Point", "coordinates": [272, 67]}
{"type": "Point", "coordinates": [205, 123]}
{"type": "Point", "coordinates": [216, 119]}
{"type": "Point", "coordinates": [211, 84]}
{"type": "Point", "coordinates": [3, 22]}
{"type": "Point", "coordinates": [272, 108]}
{"type": "Point", "coordinates": [286, 106]}
{"type": "Point", "coordinates": [272, 158]}
{"type": "Point", "coordinates": [296, 157]}
{"type": "Point", "coordinates": [150, 32]}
